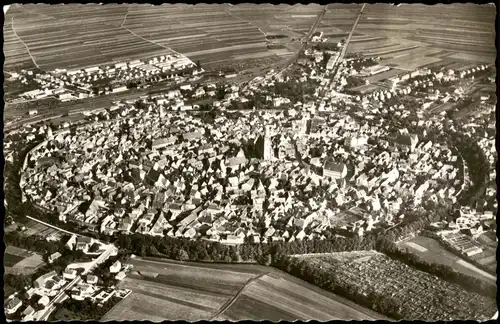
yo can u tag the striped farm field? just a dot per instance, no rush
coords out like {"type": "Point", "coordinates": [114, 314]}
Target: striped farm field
{"type": "Point", "coordinates": [469, 57]}
{"type": "Point", "coordinates": [279, 297]}
{"type": "Point", "coordinates": [455, 33]}
{"type": "Point", "coordinates": [75, 36]}
{"type": "Point", "coordinates": [78, 36]}
{"type": "Point", "coordinates": [19, 260]}
{"type": "Point", "coordinates": [171, 290]}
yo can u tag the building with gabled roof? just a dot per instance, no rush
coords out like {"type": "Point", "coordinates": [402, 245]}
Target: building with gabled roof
{"type": "Point", "coordinates": [334, 170]}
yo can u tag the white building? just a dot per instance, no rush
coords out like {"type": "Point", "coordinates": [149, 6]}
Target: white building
{"type": "Point", "coordinates": [115, 267]}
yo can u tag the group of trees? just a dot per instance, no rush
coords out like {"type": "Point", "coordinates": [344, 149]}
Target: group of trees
{"type": "Point", "coordinates": [326, 46]}
{"type": "Point", "coordinates": [46, 248]}
{"type": "Point", "coordinates": [293, 90]}
{"type": "Point", "coordinates": [353, 81]}
{"type": "Point", "coordinates": [363, 63]}
{"type": "Point", "coordinates": [273, 253]}
{"type": "Point", "coordinates": [239, 105]}
{"type": "Point", "coordinates": [478, 168]}
{"type": "Point", "coordinates": [442, 271]}
{"type": "Point", "coordinates": [16, 281]}
{"type": "Point", "coordinates": [328, 280]}
{"type": "Point", "coordinates": [326, 58]}
{"type": "Point", "coordinates": [83, 310]}
{"type": "Point", "coordinates": [177, 248]}
{"type": "Point", "coordinates": [275, 46]}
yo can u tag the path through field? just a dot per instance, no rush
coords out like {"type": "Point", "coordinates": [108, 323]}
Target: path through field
{"type": "Point", "coordinates": [240, 292]}
{"type": "Point", "coordinates": [473, 268]}
{"type": "Point", "coordinates": [19, 38]}
{"type": "Point", "coordinates": [173, 290]}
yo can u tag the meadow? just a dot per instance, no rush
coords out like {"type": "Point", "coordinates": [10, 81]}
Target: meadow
{"type": "Point", "coordinates": [169, 290]}
{"type": "Point", "coordinates": [431, 250]}
{"type": "Point", "coordinates": [17, 260]}
{"type": "Point", "coordinates": [281, 297]}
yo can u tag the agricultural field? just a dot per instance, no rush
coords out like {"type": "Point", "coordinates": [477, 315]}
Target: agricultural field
{"type": "Point", "coordinates": [338, 21]}
{"type": "Point", "coordinates": [17, 260]}
{"type": "Point", "coordinates": [462, 242]}
{"type": "Point", "coordinates": [411, 37]}
{"type": "Point", "coordinates": [169, 290]}
{"type": "Point", "coordinates": [432, 251]}
{"type": "Point", "coordinates": [418, 294]}
{"type": "Point", "coordinates": [37, 229]}
{"type": "Point", "coordinates": [279, 297]}
{"type": "Point", "coordinates": [77, 36]}
{"type": "Point", "coordinates": [16, 54]}
{"type": "Point", "coordinates": [487, 258]}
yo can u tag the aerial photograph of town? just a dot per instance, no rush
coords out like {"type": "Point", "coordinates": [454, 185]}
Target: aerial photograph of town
{"type": "Point", "coordinates": [250, 162]}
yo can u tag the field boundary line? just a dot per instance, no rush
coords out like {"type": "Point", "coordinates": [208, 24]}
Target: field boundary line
{"type": "Point", "coordinates": [248, 22]}
{"type": "Point", "coordinates": [125, 18]}
{"type": "Point", "coordinates": [52, 226]}
{"type": "Point", "coordinates": [344, 50]}
{"type": "Point", "coordinates": [229, 303]}
{"type": "Point", "coordinates": [26, 46]}
{"type": "Point", "coordinates": [147, 40]}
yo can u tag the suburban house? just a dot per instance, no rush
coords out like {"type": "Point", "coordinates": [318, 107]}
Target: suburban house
{"type": "Point", "coordinates": [28, 311]}
{"type": "Point", "coordinates": [91, 279]}
{"type": "Point", "coordinates": [40, 281]}
{"type": "Point", "coordinates": [115, 267]}
{"type": "Point", "coordinates": [13, 305]}
{"type": "Point", "coordinates": [83, 243]}
{"type": "Point", "coordinates": [120, 275]}
{"type": "Point", "coordinates": [54, 256]}
{"type": "Point", "coordinates": [69, 274]}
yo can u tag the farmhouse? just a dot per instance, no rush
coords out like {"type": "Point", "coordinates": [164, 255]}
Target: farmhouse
{"type": "Point", "coordinates": [104, 296]}
{"type": "Point", "coordinates": [83, 243]}
{"type": "Point", "coordinates": [192, 136]}
{"type": "Point", "coordinates": [92, 69]}
{"type": "Point", "coordinates": [332, 61]}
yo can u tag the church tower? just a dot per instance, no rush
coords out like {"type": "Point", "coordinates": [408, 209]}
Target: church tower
{"type": "Point", "coordinates": [268, 149]}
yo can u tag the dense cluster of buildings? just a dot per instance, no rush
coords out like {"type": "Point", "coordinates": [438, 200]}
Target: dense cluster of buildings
{"type": "Point", "coordinates": [76, 282]}
{"type": "Point", "coordinates": [263, 176]}
{"type": "Point", "coordinates": [162, 173]}
{"type": "Point", "coordinates": [100, 80]}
